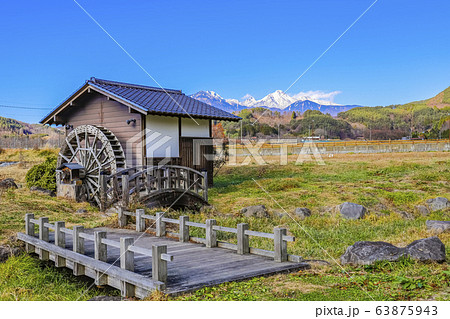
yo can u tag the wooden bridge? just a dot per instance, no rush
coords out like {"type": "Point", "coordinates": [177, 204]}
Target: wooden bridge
{"type": "Point", "coordinates": [155, 186]}
{"type": "Point", "coordinates": [138, 263]}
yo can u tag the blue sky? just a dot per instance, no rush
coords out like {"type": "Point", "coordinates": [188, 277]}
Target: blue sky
{"type": "Point", "coordinates": [398, 52]}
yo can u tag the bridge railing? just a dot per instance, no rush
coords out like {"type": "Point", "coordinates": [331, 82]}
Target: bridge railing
{"type": "Point", "coordinates": [123, 278]}
{"type": "Point", "coordinates": [242, 232]}
{"type": "Point", "coordinates": [151, 180]}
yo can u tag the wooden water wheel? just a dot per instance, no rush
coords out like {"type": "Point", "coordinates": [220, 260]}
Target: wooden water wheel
{"type": "Point", "coordinates": [96, 149]}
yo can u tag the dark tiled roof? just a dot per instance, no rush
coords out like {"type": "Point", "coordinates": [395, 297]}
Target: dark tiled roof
{"type": "Point", "coordinates": [162, 101]}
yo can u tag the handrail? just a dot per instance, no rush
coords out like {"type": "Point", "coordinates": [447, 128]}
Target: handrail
{"type": "Point", "coordinates": [158, 253]}
{"type": "Point", "coordinates": [279, 236]}
{"type": "Point", "coordinates": [151, 180]}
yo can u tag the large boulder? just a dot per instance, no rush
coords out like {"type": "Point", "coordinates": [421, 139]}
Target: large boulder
{"type": "Point", "coordinates": [438, 226]}
{"type": "Point", "coordinates": [430, 248]}
{"type": "Point", "coordinates": [42, 191]}
{"type": "Point", "coordinates": [302, 212]}
{"type": "Point", "coordinates": [367, 252]}
{"type": "Point", "coordinates": [259, 211]}
{"type": "Point", "coordinates": [351, 210]}
{"type": "Point", "coordinates": [437, 203]}
{"type": "Point", "coordinates": [7, 183]}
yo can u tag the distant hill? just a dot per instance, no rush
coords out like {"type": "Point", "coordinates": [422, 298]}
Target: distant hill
{"type": "Point", "coordinates": [441, 100]}
{"type": "Point", "coordinates": [10, 126]}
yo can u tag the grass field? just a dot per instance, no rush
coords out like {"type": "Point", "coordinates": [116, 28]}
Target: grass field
{"type": "Point", "coordinates": [389, 185]}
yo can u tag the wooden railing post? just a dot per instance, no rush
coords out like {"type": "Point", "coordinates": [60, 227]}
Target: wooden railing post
{"type": "Point", "coordinates": [29, 230]}
{"type": "Point", "coordinates": [159, 266]}
{"type": "Point", "coordinates": [100, 249]}
{"type": "Point", "coordinates": [243, 243]}
{"type": "Point", "coordinates": [60, 241]}
{"type": "Point", "coordinates": [103, 189]}
{"type": "Point", "coordinates": [125, 190]}
{"type": "Point", "coordinates": [280, 246]}
{"type": "Point", "coordinates": [184, 229]}
{"type": "Point", "coordinates": [122, 217]}
{"type": "Point", "coordinates": [43, 235]}
{"type": "Point", "coordinates": [100, 253]}
{"type": "Point", "coordinates": [78, 247]}
{"type": "Point", "coordinates": [205, 185]}
{"type": "Point", "coordinates": [140, 222]}
{"type": "Point", "coordinates": [211, 236]}
{"type": "Point", "coordinates": [160, 225]}
{"type": "Point", "coordinates": [127, 262]}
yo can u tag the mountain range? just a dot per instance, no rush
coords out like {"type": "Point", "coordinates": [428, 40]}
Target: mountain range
{"type": "Point", "coordinates": [276, 101]}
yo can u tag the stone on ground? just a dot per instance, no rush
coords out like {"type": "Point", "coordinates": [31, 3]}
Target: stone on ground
{"type": "Point", "coordinates": [431, 248]}
{"type": "Point", "coordinates": [423, 210]}
{"type": "Point", "coordinates": [351, 210]}
{"type": "Point", "coordinates": [438, 226]}
{"type": "Point", "coordinates": [7, 183]}
{"type": "Point", "coordinates": [105, 298]}
{"type": "Point", "coordinates": [302, 212]}
{"type": "Point", "coordinates": [438, 203]}
{"type": "Point", "coordinates": [259, 211]}
{"type": "Point", "coordinates": [368, 252]}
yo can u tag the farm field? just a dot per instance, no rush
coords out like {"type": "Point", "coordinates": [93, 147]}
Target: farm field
{"type": "Point", "coordinates": [389, 185]}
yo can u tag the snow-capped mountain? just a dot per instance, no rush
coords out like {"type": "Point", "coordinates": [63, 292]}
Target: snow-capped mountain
{"type": "Point", "coordinates": [277, 101]}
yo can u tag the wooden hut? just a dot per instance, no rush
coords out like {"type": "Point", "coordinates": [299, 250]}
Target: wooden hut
{"type": "Point", "coordinates": [113, 125]}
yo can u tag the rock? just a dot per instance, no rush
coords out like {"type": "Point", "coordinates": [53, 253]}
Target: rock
{"type": "Point", "coordinates": [367, 252]}
{"type": "Point", "coordinates": [422, 209]}
{"type": "Point", "coordinates": [7, 183]}
{"type": "Point", "coordinates": [6, 252]}
{"type": "Point", "coordinates": [280, 215]}
{"type": "Point", "coordinates": [405, 215]}
{"type": "Point", "coordinates": [105, 298]}
{"type": "Point", "coordinates": [352, 210]}
{"type": "Point", "coordinates": [259, 211]}
{"type": "Point", "coordinates": [438, 203]}
{"type": "Point", "coordinates": [81, 211]}
{"type": "Point", "coordinates": [430, 248]}
{"type": "Point", "coordinates": [43, 191]}
{"type": "Point", "coordinates": [438, 226]}
{"type": "Point", "coordinates": [302, 212]}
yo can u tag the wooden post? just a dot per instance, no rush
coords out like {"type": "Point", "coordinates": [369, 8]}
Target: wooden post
{"type": "Point", "coordinates": [43, 235]}
{"type": "Point", "coordinates": [160, 225]}
{"type": "Point", "coordinates": [100, 249]}
{"type": "Point", "coordinates": [122, 217]}
{"type": "Point", "coordinates": [127, 262]}
{"type": "Point", "coordinates": [280, 246]}
{"type": "Point", "coordinates": [29, 230]}
{"type": "Point", "coordinates": [159, 266]}
{"type": "Point", "coordinates": [211, 236]}
{"type": "Point", "coordinates": [243, 243]}
{"type": "Point", "coordinates": [78, 247]}
{"type": "Point", "coordinates": [125, 190]}
{"type": "Point", "coordinates": [205, 185]}
{"type": "Point", "coordinates": [184, 229]}
{"type": "Point", "coordinates": [60, 241]}
{"type": "Point", "coordinates": [140, 222]}
{"type": "Point", "coordinates": [103, 191]}
{"type": "Point", "coordinates": [100, 253]}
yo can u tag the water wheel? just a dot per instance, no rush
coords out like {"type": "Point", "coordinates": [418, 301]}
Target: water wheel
{"type": "Point", "coordinates": [96, 149]}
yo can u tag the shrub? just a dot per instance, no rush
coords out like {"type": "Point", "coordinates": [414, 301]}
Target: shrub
{"type": "Point", "coordinates": [43, 175]}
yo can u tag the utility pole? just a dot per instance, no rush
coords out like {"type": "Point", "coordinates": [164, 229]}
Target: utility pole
{"type": "Point", "coordinates": [278, 132]}
{"type": "Point", "coordinates": [241, 131]}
